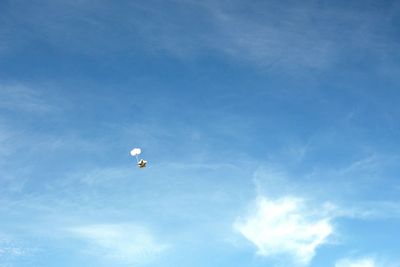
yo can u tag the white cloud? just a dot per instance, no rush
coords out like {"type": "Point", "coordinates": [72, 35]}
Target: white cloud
{"type": "Point", "coordinates": [285, 226]}
{"type": "Point", "coordinates": [9, 248]}
{"type": "Point", "coordinates": [364, 262]}
{"type": "Point", "coordinates": [121, 242]}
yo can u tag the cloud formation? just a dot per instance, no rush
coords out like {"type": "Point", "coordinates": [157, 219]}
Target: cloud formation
{"type": "Point", "coordinates": [285, 226]}
{"type": "Point", "coordinates": [119, 242]}
{"type": "Point", "coordinates": [12, 250]}
{"type": "Point", "coordinates": [364, 262]}
{"type": "Point", "coordinates": [9, 248]}
{"type": "Point", "coordinates": [267, 33]}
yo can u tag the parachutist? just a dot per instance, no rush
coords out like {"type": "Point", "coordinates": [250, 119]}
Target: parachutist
{"type": "Point", "coordinates": [135, 152]}
{"type": "Point", "coordinates": [142, 163]}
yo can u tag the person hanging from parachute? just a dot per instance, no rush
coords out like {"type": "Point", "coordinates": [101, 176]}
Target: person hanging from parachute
{"type": "Point", "coordinates": [135, 152]}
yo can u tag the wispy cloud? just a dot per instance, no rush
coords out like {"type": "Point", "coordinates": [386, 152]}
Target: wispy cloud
{"type": "Point", "coordinates": [127, 243]}
{"type": "Point", "coordinates": [369, 210]}
{"type": "Point", "coordinates": [267, 34]}
{"type": "Point", "coordinates": [270, 43]}
{"type": "Point", "coordinates": [12, 250]}
{"type": "Point", "coordinates": [5, 137]}
{"type": "Point", "coordinates": [362, 262]}
{"type": "Point", "coordinates": [346, 185]}
{"type": "Point", "coordinates": [9, 248]}
{"type": "Point", "coordinates": [21, 98]}
{"type": "Point", "coordinates": [289, 36]}
{"type": "Point", "coordinates": [295, 35]}
{"type": "Point", "coordinates": [285, 226]}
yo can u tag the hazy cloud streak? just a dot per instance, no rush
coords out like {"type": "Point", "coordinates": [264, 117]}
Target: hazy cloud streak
{"type": "Point", "coordinates": [121, 242]}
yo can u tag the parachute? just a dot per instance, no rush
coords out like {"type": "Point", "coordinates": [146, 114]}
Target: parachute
{"type": "Point", "coordinates": [135, 152]}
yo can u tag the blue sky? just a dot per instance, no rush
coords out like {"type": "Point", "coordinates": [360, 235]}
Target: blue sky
{"type": "Point", "coordinates": [270, 127]}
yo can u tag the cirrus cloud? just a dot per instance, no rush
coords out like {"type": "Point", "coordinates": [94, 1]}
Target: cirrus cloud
{"type": "Point", "coordinates": [126, 243]}
{"type": "Point", "coordinates": [364, 262]}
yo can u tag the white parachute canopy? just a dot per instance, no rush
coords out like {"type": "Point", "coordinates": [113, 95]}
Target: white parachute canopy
{"type": "Point", "coordinates": [135, 152]}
